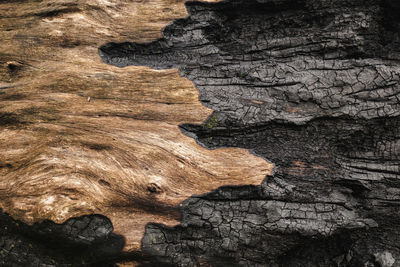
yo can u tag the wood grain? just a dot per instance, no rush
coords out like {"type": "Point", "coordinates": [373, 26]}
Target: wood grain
{"type": "Point", "coordinates": [81, 137]}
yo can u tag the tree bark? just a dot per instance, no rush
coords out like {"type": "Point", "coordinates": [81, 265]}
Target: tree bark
{"type": "Point", "coordinates": [310, 86]}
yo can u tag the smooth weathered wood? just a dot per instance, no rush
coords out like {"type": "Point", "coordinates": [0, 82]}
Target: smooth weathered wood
{"type": "Point", "coordinates": [81, 137]}
{"type": "Point", "coordinates": [310, 85]}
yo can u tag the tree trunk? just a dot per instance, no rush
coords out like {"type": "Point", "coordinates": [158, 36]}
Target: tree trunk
{"type": "Point", "coordinates": [308, 87]}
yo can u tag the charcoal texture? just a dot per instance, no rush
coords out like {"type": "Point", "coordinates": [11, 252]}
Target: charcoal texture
{"type": "Point", "coordinates": [83, 241]}
{"type": "Point", "coordinates": [313, 86]}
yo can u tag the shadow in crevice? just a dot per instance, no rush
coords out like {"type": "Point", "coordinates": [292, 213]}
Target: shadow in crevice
{"type": "Point", "coordinates": [82, 241]}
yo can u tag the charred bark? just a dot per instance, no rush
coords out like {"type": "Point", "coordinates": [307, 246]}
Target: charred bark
{"type": "Point", "coordinates": [86, 240]}
{"type": "Point", "coordinates": [312, 86]}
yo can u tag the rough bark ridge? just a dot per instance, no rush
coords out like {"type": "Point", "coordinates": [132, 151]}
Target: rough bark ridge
{"type": "Point", "coordinates": [312, 86]}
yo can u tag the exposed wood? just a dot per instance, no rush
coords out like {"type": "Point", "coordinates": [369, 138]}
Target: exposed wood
{"type": "Point", "coordinates": [81, 137]}
{"type": "Point", "coordinates": [311, 86]}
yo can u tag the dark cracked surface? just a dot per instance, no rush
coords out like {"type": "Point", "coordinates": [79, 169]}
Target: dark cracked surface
{"type": "Point", "coordinates": [312, 86]}
{"type": "Point", "coordinates": [82, 241]}
{"type": "Point", "coordinates": [290, 61]}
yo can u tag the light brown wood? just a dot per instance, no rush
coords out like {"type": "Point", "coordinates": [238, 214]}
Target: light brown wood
{"type": "Point", "coordinates": [78, 136]}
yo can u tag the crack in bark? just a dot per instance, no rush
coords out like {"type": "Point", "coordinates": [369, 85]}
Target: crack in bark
{"type": "Point", "coordinates": [312, 86]}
